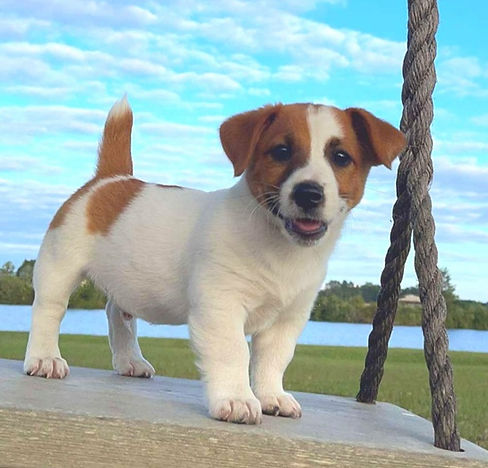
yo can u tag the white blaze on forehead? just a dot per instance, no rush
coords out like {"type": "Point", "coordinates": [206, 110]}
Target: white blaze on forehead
{"type": "Point", "coordinates": [323, 126]}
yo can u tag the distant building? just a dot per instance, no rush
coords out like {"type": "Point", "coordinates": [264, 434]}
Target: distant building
{"type": "Point", "coordinates": [410, 299]}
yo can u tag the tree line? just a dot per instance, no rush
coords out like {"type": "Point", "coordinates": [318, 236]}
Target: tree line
{"type": "Point", "coordinates": [337, 302]}
{"type": "Point", "coordinates": [16, 288]}
{"type": "Point", "coordinates": [347, 302]}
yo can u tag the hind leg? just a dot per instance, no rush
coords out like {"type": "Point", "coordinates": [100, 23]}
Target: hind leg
{"type": "Point", "coordinates": [54, 280]}
{"type": "Point", "coordinates": [127, 357]}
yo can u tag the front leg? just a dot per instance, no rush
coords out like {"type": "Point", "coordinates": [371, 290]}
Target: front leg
{"type": "Point", "coordinates": [271, 352]}
{"type": "Point", "coordinates": [218, 338]}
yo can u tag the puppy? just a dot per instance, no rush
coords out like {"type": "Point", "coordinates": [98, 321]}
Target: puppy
{"type": "Point", "coordinates": [248, 260]}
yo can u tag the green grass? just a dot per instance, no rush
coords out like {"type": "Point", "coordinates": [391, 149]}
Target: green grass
{"type": "Point", "coordinates": [316, 369]}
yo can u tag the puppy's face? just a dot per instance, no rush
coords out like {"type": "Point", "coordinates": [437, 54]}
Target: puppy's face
{"type": "Point", "coordinates": [307, 164]}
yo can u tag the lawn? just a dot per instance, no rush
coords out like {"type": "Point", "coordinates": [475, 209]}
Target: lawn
{"type": "Point", "coordinates": [316, 369]}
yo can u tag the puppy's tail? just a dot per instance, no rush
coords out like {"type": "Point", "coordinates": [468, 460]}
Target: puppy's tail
{"type": "Point", "coordinates": [114, 157]}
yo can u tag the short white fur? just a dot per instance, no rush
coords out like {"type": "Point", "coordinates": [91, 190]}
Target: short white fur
{"type": "Point", "coordinates": [213, 260]}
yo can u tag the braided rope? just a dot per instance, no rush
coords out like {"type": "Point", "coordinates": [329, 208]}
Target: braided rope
{"type": "Point", "coordinates": [391, 279]}
{"type": "Point", "coordinates": [414, 208]}
{"type": "Point", "coordinates": [420, 78]}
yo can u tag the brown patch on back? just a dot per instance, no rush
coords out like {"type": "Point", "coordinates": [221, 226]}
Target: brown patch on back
{"type": "Point", "coordinates": [114, 156]}
{"type": "Point", "coordinates": [108, 201]}
{"type": "Point", "coordinates": [370, 142]}
{"type": "Point", "coordinates": [66, 206]}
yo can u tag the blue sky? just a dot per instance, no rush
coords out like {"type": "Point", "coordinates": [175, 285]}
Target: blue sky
{"type": "Point", "coordinates": [187, 65]}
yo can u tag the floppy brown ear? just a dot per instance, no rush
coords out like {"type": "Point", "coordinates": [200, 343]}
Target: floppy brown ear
{"type": "Point", "coordinates": [240, 134]}
{"type": "Point", "coordinates": [381, 141]}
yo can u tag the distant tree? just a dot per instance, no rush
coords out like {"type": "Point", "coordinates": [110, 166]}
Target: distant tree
{"type": "Point", "coordinates": [332, 286]}
{"type": "Point", "coordinates": [369, 292]}
{"type": "Point", "coordinates": [8, 269]}
{"type": "Point", "coordinates": [410, 290]}
{"type": "Point", "coordinates": [447, 286]}
{"type": "Point", "coordinates": [14, 290]}
{"type": "Point", "coordinates": [87, 296]}
{"type": "Point", "coordinates": [26, 270]}
{"type": "Point", "coordinates": [343, 290]}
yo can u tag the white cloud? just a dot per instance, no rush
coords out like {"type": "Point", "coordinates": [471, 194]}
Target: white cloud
{"type": "Point", "coordinates": [143, 67]}
{"type": "Point", "coordinates": [83, 12]}
{"type": "Point", "coordinates": [56, 50]}
{"type": "Point", "coordinates": [11, 248]}
{"type": "Point", "coordinates": [290, 73]}
{"type": "Point", "coordinates": [38, 120]}
{"type": "Point", "coordinates": [461, 147]}
{"type": "Point", "coordinates": [370, 54]}
{"type": "Point", "coordinates": [159, 95]}
{"type": "Point", "coordinates": [15, 69]}
{"type": "Point", "coordinates": [20, 163]}
{"type": "Point", "coordinates": [463, 76]}
{"type": "Point", "coordinates": [16, 28]}
{"type": "Point", "coordinates": [460, 177]}
{"type": "Point", "coordinates": [141, 15]}
{"type": "Point", "coordinates": [212, 119]}
{"type": "Point", "coordinates": [261, 92]}
{"type": "Point", "coordinates": [167, 46]}
{"type": "Point", "coordinates": [40, 91]}
{"type": "Point", "coordinates": [467, 66]}
{"type": "Point", "coordinates": [165, 129]}
{"type": "Point", "coordinates": [209, 81]}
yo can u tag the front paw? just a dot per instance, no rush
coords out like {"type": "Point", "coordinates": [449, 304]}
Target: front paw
{"type": "Point", "coordinates": [49, 367]}
{"type": "Point", "coordinates": [236, 410]}
{"type": "Point", "coordinates": [133, 367]}
{"type": "Point", "coordinates": [281, 404]}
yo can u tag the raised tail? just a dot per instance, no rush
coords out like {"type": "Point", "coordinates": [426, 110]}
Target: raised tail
{"type": "Point", "coordinates": [114, 157]}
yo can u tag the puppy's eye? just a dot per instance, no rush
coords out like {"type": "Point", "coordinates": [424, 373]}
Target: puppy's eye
{"type": "Point", "coordinates": [341, 159]}
{"type": "Point", "coordinates": [280, 153]}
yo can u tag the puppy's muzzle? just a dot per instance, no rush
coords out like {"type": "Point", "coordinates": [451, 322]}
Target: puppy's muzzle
{"type": "Point", "coordinates": [308, 195]}
{"type": "Point", "coordinates": [308, 227]}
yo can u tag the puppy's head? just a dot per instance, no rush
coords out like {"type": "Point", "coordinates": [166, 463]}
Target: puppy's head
{"type": "Point", "coordinates": [307, 164]}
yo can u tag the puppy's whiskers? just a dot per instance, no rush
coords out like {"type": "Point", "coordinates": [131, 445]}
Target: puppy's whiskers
{"type": "Point", "coordinates": [267, 200]}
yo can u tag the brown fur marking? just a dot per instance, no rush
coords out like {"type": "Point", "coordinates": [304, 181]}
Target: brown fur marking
{"type": "Point", "coordinates": [65, 207]}
{"type": "Point", "coordinates": [381, 142]}
{"type": "Point", "coordinates": [107, 203]}
{"type": "Point", "coordinates": [370, 142]}
{"type": "Point", "coordinates": [248, 138]}
{"type": "Point", "coordinates": [290, 127]}
{"type": "Point", "coordinates": [352, 178]}
{"type": "Point", "coordinates": [239, 134]}
{"type": "Point", "coordinates": [114, 157]}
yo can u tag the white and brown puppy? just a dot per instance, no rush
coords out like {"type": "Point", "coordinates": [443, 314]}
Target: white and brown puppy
{"type": "Point", "coordinates": [247, 260]}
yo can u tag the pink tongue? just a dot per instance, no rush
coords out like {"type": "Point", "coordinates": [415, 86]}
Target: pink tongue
{"type": "Point", "coordinates": [307, 225]}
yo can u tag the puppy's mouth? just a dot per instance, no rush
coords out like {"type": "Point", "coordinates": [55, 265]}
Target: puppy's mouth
{"type": "Point", "coordinates": [305, 229]}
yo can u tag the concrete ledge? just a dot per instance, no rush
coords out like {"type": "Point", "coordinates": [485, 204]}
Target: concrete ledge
{"type": "Point", "coordinates": [96, 418]}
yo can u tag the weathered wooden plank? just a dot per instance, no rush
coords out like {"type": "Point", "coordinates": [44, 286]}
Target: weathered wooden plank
{"type": "Point", "coordinates": [44, 439]}
{"type": "Point", "coordinates": [95, 418]}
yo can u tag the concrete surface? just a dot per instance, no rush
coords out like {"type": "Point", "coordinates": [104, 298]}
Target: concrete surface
{"type": "Point", "coordinates": [96, 418]}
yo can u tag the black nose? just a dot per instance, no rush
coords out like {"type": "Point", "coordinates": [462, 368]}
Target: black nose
{"type": "Point", "coordinates": [308, 195]}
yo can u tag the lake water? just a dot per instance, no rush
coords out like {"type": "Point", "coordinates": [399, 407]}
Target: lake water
{"type": "Point", "coordinates": [94, 322]}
